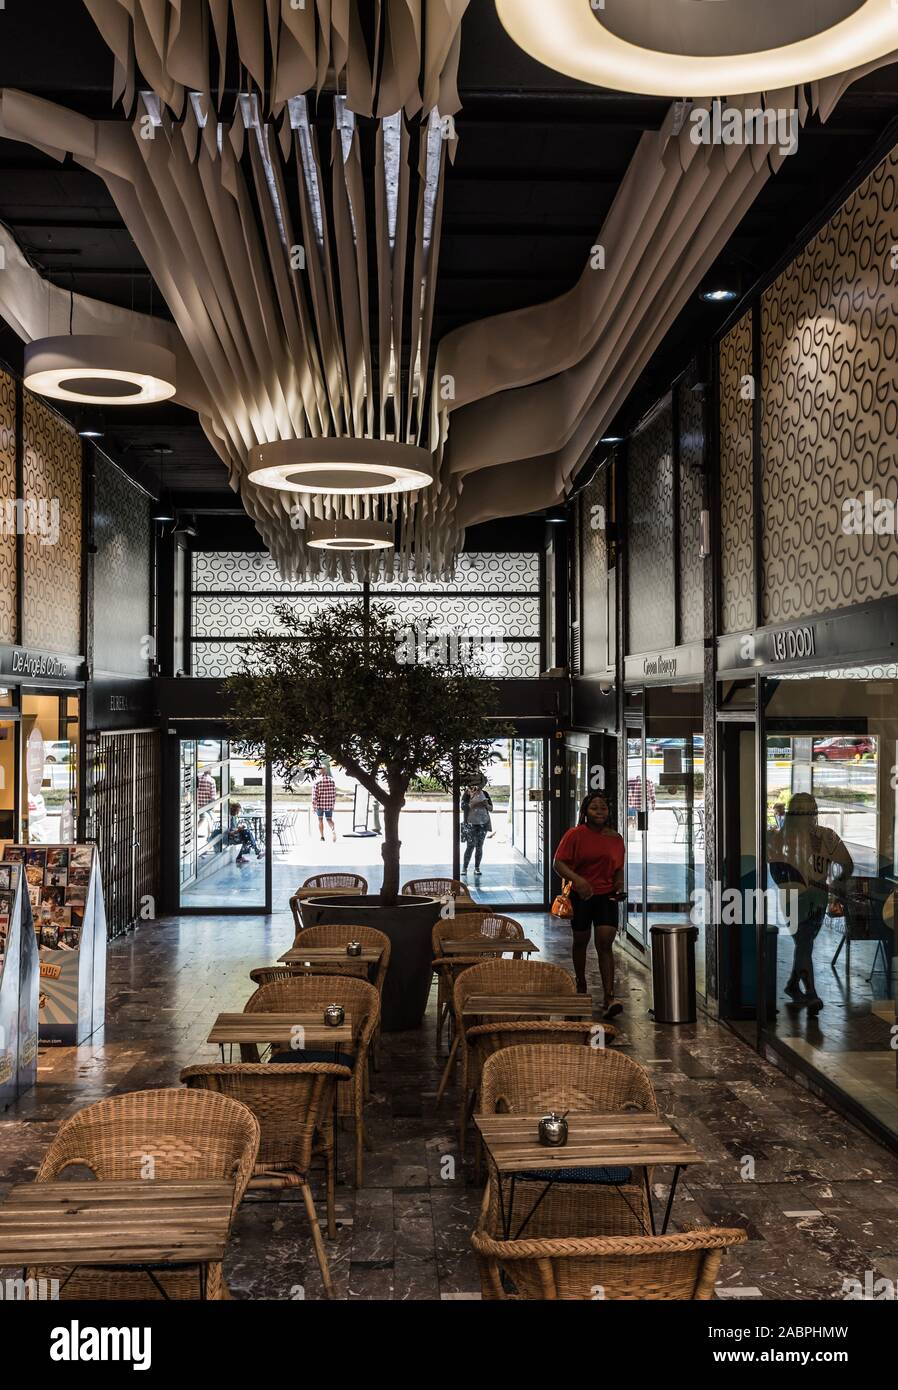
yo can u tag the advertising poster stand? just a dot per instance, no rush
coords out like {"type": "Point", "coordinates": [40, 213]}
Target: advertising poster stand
{"type": "Point", "coordinates": [18, 991]}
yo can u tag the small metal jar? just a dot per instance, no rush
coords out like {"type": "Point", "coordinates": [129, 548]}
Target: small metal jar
{"type": "Point", "coordinates": [354, 948]}
{"type": "Point", "coordinates": [334, 1015]}
{"type": "Point", "coordinates": [553, 1130]}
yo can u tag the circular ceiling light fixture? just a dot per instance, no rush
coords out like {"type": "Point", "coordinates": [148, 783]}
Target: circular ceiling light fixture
{"type": "Point", "coordinates": [701, 48]}
{"type": "Point", "coordinates": [349, 534]}
{"type": "Point", "coordinates": [719, 295]}
{"type": "Point", "coordinates": [343, 466]}
{"type": "Point", "coordinates": [99, 369]}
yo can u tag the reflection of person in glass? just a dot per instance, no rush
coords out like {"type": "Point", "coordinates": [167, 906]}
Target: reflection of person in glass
{"type": "Point", "coordinates": [805, 859]}
{"type": "Point", "coordinates": [592, 857]}
{"type": "Point", "coordinates": [476, 805]}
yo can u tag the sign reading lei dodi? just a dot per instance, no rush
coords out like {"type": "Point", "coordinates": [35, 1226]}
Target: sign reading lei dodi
{"type": "Point", "coordinates": [64, 906]}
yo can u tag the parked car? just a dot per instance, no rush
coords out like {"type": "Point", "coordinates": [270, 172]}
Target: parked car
{"type": "Point", "coordinates": [843, 750]}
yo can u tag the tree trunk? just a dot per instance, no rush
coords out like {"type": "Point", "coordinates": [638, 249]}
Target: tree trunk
{"type": "Point", "coordinates": [390, 850]}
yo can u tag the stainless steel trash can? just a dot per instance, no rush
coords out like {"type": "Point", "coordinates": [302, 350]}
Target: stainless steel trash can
{"type": "Point", "coordinates": [673, 972]}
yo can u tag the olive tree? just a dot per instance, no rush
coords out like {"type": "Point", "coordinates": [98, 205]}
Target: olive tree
{"type": "Point", "coordinates": [386, 702]}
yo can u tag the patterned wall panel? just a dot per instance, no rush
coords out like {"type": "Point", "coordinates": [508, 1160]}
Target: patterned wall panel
{"type": "Point", "coordinates": [830, 410]}
{"type": "Point", "coordinates": [51, 604]}
{"type": "Point", "coordinates": [252, 571]}
{"type": "Point", "coordinates": [650, 532]}
{"type": "Point", "coordinates": [241, 615]}
{"type": "Point", "coordinates": [692, 460]}
{"type": "Point", "coordinates": [122, 531]}
{"type": "Point", "coordinates": [494, 597]}
{"type": "Point", "coordinates": [736, 499]}
{"type": "Point", "coordinates": [7, 508]}
{"type": "Point", "coordinates": [594, 553]}
{"type": "Point", "coordinates": [494, 572]}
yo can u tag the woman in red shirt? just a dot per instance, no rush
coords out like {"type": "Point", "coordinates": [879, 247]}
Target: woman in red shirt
{"type": "Point", "coordinates": [592, 857]}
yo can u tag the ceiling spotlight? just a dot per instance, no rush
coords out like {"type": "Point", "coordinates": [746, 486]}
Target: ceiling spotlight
{"type": "Point", "coordinates": [719, 296]}
{"type": "Point", "coordinates": [700, 48]}
{"type": "Point", "coordinates": [612, 439]}
{"type": "Point", "coordinates": [342, 466]}
{"type": "Point", "coordinates": [91, 424]}
{"type": "Point", "coordinates": [163, 510]}
{"type": "Point", "coordinates": [349, 534]}
{"type": "Point", "coordinates": [99, 370]}
{"type": "Point", "coordinates": [556, 516]}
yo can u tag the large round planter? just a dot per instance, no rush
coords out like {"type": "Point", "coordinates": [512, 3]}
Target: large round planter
{"type": "Point", "coordinates": [408, 925]}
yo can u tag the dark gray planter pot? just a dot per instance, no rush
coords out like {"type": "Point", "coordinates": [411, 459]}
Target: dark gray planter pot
{"type": "Point", "coordinates": [408, 925]}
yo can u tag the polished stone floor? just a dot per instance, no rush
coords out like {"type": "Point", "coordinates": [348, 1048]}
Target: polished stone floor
{"type": "Point", "coordinates": [818, 1198]}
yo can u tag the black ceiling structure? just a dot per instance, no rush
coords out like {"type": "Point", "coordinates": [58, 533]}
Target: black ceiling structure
{"type": "Point", "coordinates": [539, 160]}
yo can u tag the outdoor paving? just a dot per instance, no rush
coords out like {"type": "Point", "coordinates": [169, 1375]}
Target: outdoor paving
{"type": "Point", "coordinates": [818, 1197]}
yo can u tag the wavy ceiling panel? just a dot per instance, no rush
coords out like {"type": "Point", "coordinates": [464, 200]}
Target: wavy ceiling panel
{"type": "Point", "coordinates": [535, 389]}
{"type": "Point", "coordinates": [259, 243]}
{"type": "Point", "coordinates": [384, 55]}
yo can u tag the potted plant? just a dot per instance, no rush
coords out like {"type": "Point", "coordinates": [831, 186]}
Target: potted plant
{"type": "Point", "coordinates": [387, 703]}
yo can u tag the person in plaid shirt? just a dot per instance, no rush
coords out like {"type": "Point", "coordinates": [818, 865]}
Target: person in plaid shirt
{"type": "Point", "coordinates": [324, 799]}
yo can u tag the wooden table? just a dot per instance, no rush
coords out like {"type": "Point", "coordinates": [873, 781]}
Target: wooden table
{"type": "Point", "coordinates": [333, 955]}
{"type": "Point", "coordinates": [150, 1225]}
{"type": "Point", "coordinates": [594, 1141]}
{"type": "Point", "coordinates": [528, 1005]}
{"type": "Point", "coordinates": [485, 945]}
{"type": "Point", "coordinates": [281, 1028]}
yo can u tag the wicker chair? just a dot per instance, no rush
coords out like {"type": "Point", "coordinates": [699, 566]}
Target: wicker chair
{"type": "Point", "coordinates": [188, 1136]}
{"type": "Point", "coordinates": [437, 888]}
{"type": "Point", "coordinates": [479, 925]}
{"type": "Point", "coordinates": [527, 1080]}
{"type": "Point", "coordinates": [331, 934]}
{"type": "Point", "coordinates": [293, 1107]}
{"type": "Point", "coordinates": [493, 977]}
{"type": "Point", "coordinates": [317, 882]}
{"type": "Point", "coordinates": [681, 1266]}
{"type": "Point", "coordinates": [309, 993]}
{"type": "Point", "coordinates": [266, 974]}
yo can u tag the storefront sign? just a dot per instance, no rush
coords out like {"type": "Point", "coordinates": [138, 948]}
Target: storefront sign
{"type": "Point", "coordinates": [792, 643]}
{"type": "Point", "coordinates": [31, 665]}
{"type": "Point", "coordinates": [680, 663]}
{"type": "Point", "coordinates": [867, 634]}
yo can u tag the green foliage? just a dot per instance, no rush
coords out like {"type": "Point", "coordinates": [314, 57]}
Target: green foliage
{"type": "Point", "coordinates": [344, 685]}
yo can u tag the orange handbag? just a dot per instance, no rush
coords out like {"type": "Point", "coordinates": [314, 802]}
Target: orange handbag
{"type": "Point", "coordinates": [562, 906]}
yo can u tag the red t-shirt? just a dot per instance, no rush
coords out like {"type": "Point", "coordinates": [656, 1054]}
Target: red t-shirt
{"type": "Point", "coordinates": [595, 854]}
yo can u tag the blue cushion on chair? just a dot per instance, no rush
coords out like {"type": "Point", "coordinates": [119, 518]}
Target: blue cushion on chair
{"type": "Point", "coordinates": [312, 1054]}
{"type": "Point", "coordinates": [607, 1176]}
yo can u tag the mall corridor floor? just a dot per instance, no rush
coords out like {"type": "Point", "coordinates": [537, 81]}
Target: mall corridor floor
{"type": "Point", "coordinates": [818, 1198]}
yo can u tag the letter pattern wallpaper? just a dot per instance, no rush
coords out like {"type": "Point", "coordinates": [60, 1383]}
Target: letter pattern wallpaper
{"type": "Point", "coordinates": [829, 432]}
{"type": "Point", "coordinates": [692, 462]}
{"type": "Point", "coordinates": [51, 612]}
{"type": "Point", "coordinates": [736, 472]}
{"type": "Point", "coordinates": [7, 508]}
{"type": "Point", "coordinates": [594, 548]}
{"type": "Point", "coordinates": [650, 529]}
{"type": "Point", "coordinates": [122, 531]}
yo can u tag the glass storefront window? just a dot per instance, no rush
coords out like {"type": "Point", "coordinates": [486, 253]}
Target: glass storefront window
{"type": "Point", "coordinates": [832, 878]}
{"type": "Point", "coordinates": [49, 768]}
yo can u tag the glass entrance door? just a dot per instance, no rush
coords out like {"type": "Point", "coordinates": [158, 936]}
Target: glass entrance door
{"type": "Point", "coordinates": [225, 828]}
{"type": "Point", "coordinates": [637, 823]}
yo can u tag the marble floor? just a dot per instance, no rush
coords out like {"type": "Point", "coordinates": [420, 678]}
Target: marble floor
{"type": "Point", "coordinates": [818, 1198]}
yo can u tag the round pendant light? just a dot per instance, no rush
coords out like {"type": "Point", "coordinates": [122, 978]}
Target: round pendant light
{"type": "Point", "coordinates": [701, 48]}
{"type": "Point", "coordinates": [349, 534]}
{"type": "Point", "coordinates": [340, 466]}
{"type": "Point", "coordinates": [99, 370]}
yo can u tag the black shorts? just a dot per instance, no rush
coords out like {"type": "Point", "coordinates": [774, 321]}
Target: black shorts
{"type": "Point", "coordinates": [597, 911]}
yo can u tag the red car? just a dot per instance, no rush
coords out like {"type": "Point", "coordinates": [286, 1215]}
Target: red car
{"type": "Point", "coordinates": [830, 750]}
